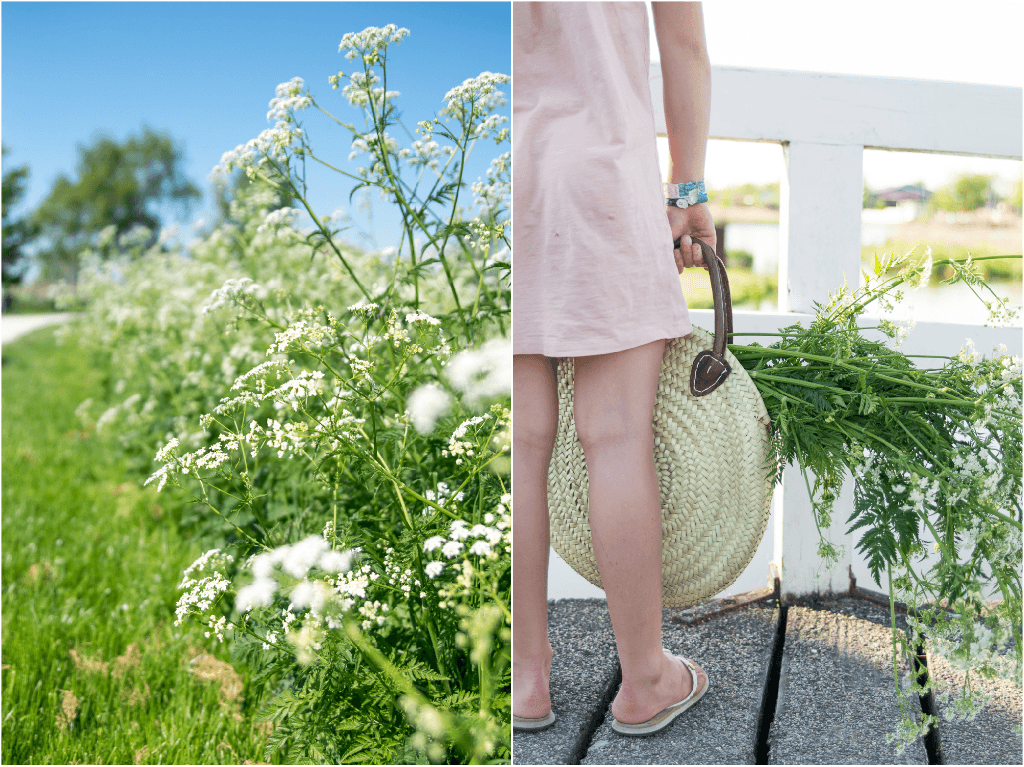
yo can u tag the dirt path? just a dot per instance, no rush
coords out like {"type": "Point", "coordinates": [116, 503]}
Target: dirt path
{"type": "Point", "coordinates": [14, 325]}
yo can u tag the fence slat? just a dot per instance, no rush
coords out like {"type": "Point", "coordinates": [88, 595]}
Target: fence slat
{"type": "Point", "coordinates": [876, 112]}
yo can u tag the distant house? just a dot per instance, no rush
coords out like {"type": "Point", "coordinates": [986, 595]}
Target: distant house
{"type": "Point", "coordinates": [902, 204]}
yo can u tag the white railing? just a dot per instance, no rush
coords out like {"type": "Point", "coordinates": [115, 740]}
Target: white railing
{"type": "Point", "coordinates": [824, 123]}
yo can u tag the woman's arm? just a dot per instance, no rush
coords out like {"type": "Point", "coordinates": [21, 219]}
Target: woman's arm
{"type": "Point", "coordinates": [686, 73]}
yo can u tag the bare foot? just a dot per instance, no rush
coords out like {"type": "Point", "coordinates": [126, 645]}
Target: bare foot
{"type": "Point", "coordinates": [531, 698]}
{"type": "Point", "coordinates": [639, 700]}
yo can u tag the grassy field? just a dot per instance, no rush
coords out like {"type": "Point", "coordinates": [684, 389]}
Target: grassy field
{"type": "Point", "coordinates": [93, 669]}
{"type": "Point", "coordinates": [747, 288]}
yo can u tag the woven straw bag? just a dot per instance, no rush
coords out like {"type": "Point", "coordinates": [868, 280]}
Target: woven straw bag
{"type": "Point", "coordinates": [712, 450]}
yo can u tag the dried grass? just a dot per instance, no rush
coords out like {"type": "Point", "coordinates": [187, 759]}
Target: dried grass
{"type": "Point", "coordinates": [41, 570]}
{"type": "Point", "coordinates": [210, 669]}
{"type": "Point", "coordinates": [92, 665]}
{"type": "Point", "coordinates": [68, 710]}
{"type": "Point", "coordinates": [129, 660]}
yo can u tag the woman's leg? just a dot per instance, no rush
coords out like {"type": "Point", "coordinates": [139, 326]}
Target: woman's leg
{"type": "Point", "coordinates": [534, 420]}
{"type": "Point", "coordinates": [614, 404]}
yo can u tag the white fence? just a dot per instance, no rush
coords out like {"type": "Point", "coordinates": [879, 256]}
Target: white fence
{"type": "Point", "coordinates": [824, 123]}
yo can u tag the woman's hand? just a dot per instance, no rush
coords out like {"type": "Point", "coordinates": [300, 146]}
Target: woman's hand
{"type": "Point", "coordinates": [694, 221]}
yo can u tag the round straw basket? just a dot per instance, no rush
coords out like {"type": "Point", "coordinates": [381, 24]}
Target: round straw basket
{"type": "Point", "coordinates": [712, 450]}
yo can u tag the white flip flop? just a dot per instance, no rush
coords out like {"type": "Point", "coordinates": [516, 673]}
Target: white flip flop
{"type": "Point", "coordinates": [666, 716]}
{"type": "Point", "coordinates": [540, 723]}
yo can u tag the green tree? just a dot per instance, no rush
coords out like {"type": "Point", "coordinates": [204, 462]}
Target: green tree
{"type": "Point", "coordinates": [16, 231]}
{"type": "Point", "coordinates": [119, 185]}
{"type": "Point", "coordinates": [969, 192]}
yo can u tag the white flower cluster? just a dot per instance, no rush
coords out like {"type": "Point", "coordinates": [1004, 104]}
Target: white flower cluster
{"type": "Point", "coordinates": [297, 334]}
{"type": "Point", "coordinates": [360, 90]}
{"type": "Point", "coordinates": [490, 127]}
{"type": "Point", "coordinates": [395, 332]}
{"type": "Point", "coordinates": [968, 354]}
{"type": "Point", "coordinates": [426, 405]}
{"type": "Point", "coordinates": [258, 375]}
{"type": "Point", "coordinates": [305, 384]}
{"type": "Point", "coordinates": [166, 455]}
{"type": "Point", "coordinates": [479, 93]}
{"type": "Point", "coordinates": [280, 221]}
{"type": "Point", "coordinates": [366, 142]}
{"type": "Point", "coordinates": [483, 373]}
{"type": "Point", "coordinates": [481, 540]}
{"type": "Point", "coordinates": [495, 192]}
{"type": "Point", "coordinates": [371, 44]}
{"type": "Point", "coordinates": [205, 457]}
{"type": "Point", "coordinates": [443, 494]}
{"type": "Point", "coordinates": [289, 98]}
{"type": "Point", "coordinates": [969, 647]}
{"type": "Point", "coordinates": [296, 561]}
{"type": "Point", "coordinates": [287, 437]}
{"type": "Point", "coordinates": [398, 578]}
{"type": "Point", "coordinates": [419, 318]}
{"type": "Point", "coordinates": [427, 153]}
{"type": "Point", "coordinates": [460, 447]}
{"type": "Point", "coordinates": [203, 581]}
{"type": "Point", "coordinates": [273, 144]}
{"type": "Point", "coordinates": [363, 309]}
{"type": "Point", "coordinates": [232, 291]}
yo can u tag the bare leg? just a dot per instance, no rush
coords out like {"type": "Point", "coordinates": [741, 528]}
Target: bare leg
{"type": "Point", "coordinates": [534, 420]}
{"type": "Point", "coordinates": [614, 403]}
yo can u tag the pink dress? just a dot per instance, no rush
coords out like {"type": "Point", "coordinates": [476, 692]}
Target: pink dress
{"type": "Point", "coordinates": [592, 265]}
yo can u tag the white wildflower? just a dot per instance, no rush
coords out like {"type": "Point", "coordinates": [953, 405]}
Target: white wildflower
{"type": "Point", "coordinates": [426, 405]}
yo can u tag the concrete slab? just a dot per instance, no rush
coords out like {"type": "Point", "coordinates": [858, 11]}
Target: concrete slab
{"type": "Point", "coordinates": [735, 650]}
{"type": "Point", "coordinates": [836, 698]}
{"type": "Point", "coordinates": [584, 676]}
{"type": "Point", "coordinates": [994, 736]}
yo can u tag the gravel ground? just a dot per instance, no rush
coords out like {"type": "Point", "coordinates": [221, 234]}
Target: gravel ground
{"type": "Point", "coordinates": [836, 696]}
{"type": "Point", "coordinates": [836, 699]}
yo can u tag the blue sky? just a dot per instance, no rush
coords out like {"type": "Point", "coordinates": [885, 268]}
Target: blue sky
{"type": "Point", "coordinates": [204, 72]}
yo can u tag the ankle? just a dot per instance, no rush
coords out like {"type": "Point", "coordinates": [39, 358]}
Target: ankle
{"type": "Point", "coordinates": [648, 674]}
{"type": "Point", "coordinates": [539, 656]}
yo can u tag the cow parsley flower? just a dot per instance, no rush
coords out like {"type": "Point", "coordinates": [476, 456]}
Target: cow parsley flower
{"type": "Point", "coordinates": [426, 405]}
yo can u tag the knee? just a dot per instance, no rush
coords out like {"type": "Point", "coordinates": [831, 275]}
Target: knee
{"type": "Point", "coordinates": [534, 433]}
{"type": "Point", "coordinates": [611, 429]}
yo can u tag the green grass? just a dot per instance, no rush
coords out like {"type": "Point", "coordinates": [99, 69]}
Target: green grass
{"type": "Point", "coordinates": [91, 562]}
{"type": "Point", "coordinates": [748, 289]}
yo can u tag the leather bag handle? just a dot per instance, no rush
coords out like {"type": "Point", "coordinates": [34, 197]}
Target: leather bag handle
{"type": "Point", "coordinates": [710, 368]}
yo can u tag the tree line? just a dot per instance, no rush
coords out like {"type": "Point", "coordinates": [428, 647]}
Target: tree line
{"type": "Point", "coordinates": [121, 189]}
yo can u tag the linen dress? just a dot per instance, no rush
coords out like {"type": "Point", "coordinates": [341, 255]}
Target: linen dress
{"type": "Point", "coordinates": [592, 264]}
